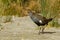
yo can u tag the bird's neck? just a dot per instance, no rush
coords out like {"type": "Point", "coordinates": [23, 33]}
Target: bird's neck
{"type": "Point", "coordinates": [30, 14]}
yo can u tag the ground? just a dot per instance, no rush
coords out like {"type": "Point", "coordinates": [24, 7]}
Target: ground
{"type": "Point", "coordinates": [23, 28]}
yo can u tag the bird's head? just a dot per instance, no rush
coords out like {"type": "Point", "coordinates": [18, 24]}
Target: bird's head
{"type": "Point", "coordinates": [30, 12]}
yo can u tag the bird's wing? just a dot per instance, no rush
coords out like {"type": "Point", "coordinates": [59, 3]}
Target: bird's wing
{"type": "Point", "coordinates": [41, 18]}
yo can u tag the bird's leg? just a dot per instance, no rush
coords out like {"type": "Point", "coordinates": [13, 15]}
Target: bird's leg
{"type": "Point", "coordinates": [39, 30]}
{"type": "Point", "coordinates": [43, 29]}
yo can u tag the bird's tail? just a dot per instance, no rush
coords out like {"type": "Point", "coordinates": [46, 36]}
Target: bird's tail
{"type": "Point", "coordinates": [50, 19]}
{"type": "Point", "coordinates": [54, 17]}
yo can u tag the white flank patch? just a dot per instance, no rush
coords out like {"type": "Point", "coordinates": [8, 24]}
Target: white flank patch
{"type": "Point", "coordinates": [40, 21]}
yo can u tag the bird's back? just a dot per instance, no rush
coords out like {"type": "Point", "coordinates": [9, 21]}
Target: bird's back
{"type": "Point", "coordinates": [38, 19]}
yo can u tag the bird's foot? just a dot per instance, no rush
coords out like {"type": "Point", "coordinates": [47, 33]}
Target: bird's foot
{"type": "Point", "coordinates": [42, 32]}
{"type": "Point", "coordinates": [39, 33]}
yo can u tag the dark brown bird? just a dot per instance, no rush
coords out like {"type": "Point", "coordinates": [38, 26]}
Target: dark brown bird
{"type": "Point", "coordinates": [39, 20]}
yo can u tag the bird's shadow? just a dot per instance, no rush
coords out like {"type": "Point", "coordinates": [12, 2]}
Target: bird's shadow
{"type": "Point", "coordinates": [47, 32]}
